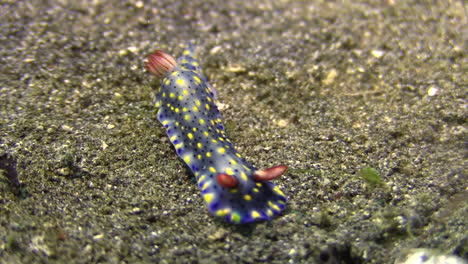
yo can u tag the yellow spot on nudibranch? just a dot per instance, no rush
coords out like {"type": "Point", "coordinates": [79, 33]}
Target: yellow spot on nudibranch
{"type": "Point", "coordinates": [185, 92]}
{"type": "Point", "coordinates": [229, 171]}
{"type": "Point", "coordinates": [199, 145]}
{"type": "Point", "coordinates": [238, 155]}
{"type": "Point", "coordinates": [195, 63]}
{"type": "Point", "coordinates": [197, 102]}
{"type": "Point", "coordinates": [178, 146]}
{"type": "Point", "coordinates": [173, 138]}
{"type": "Point", "coordinates": [223, 212]}
{"type": "Point", "coordinates": [180, 82]}
{"type": "Point", "coordinates": [197, 80]}
{"type": "Point", "coordinates": [206, 133]}
{"type": "Point", "coordinates": [199, 156]}
{"type": "Point", "coordinates": [247, 197]}
{"type": "Point", "coordinates": [207, 106]}
{"type": "Point", "coordinates": [233, 162]}
{"type": "Point", "coordinates": [180, 97]}
{"type": "Point", "coordinates": [190, 135]}
{"type": "Point", "coordinates": [201, 179]}
{"type": "Point", "coordinates": [274, 206]}
{"type": "Point", "coordinates": [171, 95]}
{"type": "Point", "coordinates": [235, 190]}
{"type": "Point", "coordinates": [208, 197]}
{"type": "Point", "coordinates": [244, 176]}
{"type": "Point", "coordinates": [187, 117]}
{"type": "Point", "coordinates": [195, 109]}
{"type": "Point", "coordinates": [184, 109]}
{"type": "Point", "coordinates": [269, 212]}
{"type": "Point", "coordinates": [258, 184]}
{"type": "Point", "coordinates": [165, 122]}
{"type": "Point", "coordinates": [212, 169]}
{"type": "Point", "coordinates": [255, 190]}
{"type": "Point", "coordinates": [278, 191]}
{"type": "Point", "coordinates": [206, 185]}
{"type": "Point", "coordinates": [186, 52]}
{"type": "Point", "coordinates": [175, 73]}
{"type": "Point", "coordinates": [221, 150]}
{"type": "Point", "coordinates": [187, 159]}
{"type": "Point", "coordinates": [208, 154]}
{"type": "Point", "coordinates": [201, 121]}
{"type": "Point", "coordinates": [255, 214]}
{"type": "Point", "coordinates": [177, 110]}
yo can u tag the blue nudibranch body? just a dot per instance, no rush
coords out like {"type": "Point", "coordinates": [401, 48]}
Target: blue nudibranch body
{"type": "Point", "coordinates": [231, 187]}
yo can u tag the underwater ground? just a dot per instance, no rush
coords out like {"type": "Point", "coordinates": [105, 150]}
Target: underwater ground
{"type": "Point", "coordinates": [365, 101]}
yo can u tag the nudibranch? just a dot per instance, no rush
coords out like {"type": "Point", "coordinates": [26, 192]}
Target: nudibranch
{"type": "Point", "coordinates": [231, 187]}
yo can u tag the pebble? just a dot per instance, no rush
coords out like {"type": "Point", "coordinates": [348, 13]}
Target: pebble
{"type": "Point", "coordinates": [432, 91]}
{"type": "Point", "coordinates": [377, 53]}
{"type": "Point", "coordinates": [428, 256]}
{"type": "Point", "coordinates": [331, 76]}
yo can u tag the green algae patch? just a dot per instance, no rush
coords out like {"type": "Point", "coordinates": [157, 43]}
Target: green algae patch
{"type": "Point", "coordinates": [371, 177]}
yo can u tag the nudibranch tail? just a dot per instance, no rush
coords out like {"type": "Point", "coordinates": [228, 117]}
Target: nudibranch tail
{"type": "Point", "coordinates": [160, 63]}
{"type": "Point", "coordinates": [231, 187]}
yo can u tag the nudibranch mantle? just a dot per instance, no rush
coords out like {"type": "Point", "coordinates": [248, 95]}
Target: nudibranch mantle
{"type": "Point", "coordinates": [231, 187]}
